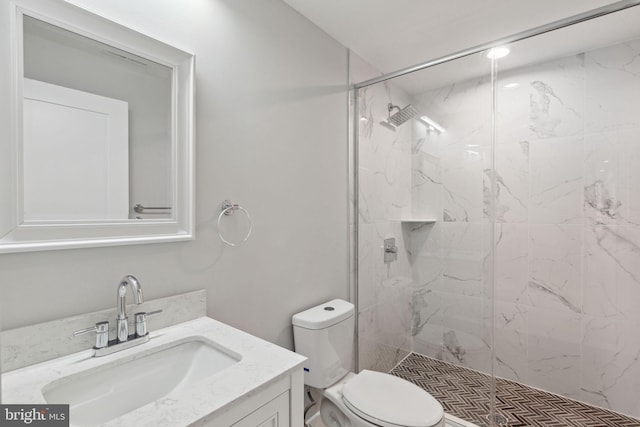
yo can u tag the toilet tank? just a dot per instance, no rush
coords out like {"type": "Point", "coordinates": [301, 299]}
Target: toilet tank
{"type": "Point", "coordinates": [324, 334]}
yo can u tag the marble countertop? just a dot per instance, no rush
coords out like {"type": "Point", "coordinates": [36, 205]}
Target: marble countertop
{"type": "Point", "coordinates": [262, 364]}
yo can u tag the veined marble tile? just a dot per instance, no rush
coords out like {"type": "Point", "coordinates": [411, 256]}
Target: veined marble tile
{"type": "Point", "coordinates": [512, 108]}
{"type": "Point", "coordinates": [366, 338]}
{"type": "Point", "coordinates": [511, 341]}
{"type": "Point", "coordinates": [384, 157]}
{"type": "Point", "coordinates": [428, 307]}
{"type": "Point", "coordinates": [628, 259]}
{"type": "Point", "coordinates": [555, 276]}
{"type": "Point", "coordinates": [629, 177]}
{"type": "Point", "coordinates": [600, 266]}
{"type": "Point", "coordinates": [365, 119]}
{"type": "Point", "coordinates": [463, 249]}
{"type": "Point", "coordinates": [612, 276]}
{"type": "Point", "coordinates": [463, 188]}
{"type": "Point", "coordinates": [463, 109]}
{"type": "Point", "coordinates": [426, 256]}
{"type": "Point", "coordinates": [512, 182]}
{"type": "Point", "coordinates": [612, 85]}
{"type": "Point", "coordinates": [466, 334]}
{"type": "Point", "coordinates": [611, 364]}
{"type": "Point", "coordinates": [511, 270]}
{"type": "Point", "coordinates": [488, 261]}
{"type": "Point", "coordinates": [548, 98]}
{"type": "Point", "coordinates": [557, 98]}
{"type": "Point", "coordinates": [367, 144]}
{"type": "Point", "coordinates": [385, 194]}
{"type": "Point", "coordinates": [554, 351]}
{"type": "Point", "coordinates": [394, 314]}
{"type": "Point", "coordinates": [390, 184]}
{"type": "Point", "coordinates": [386, 326]}
{"type": "Point", "coordinates": [426, 186]}
{"type": "Point", "coordinates": [427, 272]}
{"type": "Point", "coordinates": [367, 204]}
{"type": "Point", "coordinates": [556, 181]}
{"type": "Point", "coordinates": [368, 255]}
{"type": "Point", "coordinates": [602, 183]}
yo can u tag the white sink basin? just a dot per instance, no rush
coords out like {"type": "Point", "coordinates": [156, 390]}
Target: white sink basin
{"type": "Point", "coordinates": [186, 374]}
{"type": "Point", "coordinates": [103, 393]}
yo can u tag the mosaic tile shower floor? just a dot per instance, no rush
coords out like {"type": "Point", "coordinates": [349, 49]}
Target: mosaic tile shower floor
{"type": "Point", "coordinates": [465, 394]}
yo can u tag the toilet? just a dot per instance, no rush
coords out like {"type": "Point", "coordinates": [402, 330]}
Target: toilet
{"type": "Point", "coordinates": [325, 335]}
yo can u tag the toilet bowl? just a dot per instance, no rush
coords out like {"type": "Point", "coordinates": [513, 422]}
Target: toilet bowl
{"type": "Point", "coordinates": [378, 399]}
{"type": "Point", "coordinates": [324, 334]}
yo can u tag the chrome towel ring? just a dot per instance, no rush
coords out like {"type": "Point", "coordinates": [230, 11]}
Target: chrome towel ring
{"type": "Point", "coordinates": [227, 209]}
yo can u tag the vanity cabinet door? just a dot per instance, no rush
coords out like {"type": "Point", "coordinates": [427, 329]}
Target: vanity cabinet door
{"type": "Point", "coordinates": [273, 414]}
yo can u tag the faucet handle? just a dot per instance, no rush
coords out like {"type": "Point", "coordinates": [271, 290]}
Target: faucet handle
{"type": "Point", "coordinates": [102, 333]}
{"type": "Point", "coordinates": [141, 321]}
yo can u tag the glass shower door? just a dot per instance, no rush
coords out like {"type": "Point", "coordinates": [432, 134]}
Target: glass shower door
{"type": "Point", "coordinates": [567, 276]}
{"type": "Point", "coordinates": [424, 155]}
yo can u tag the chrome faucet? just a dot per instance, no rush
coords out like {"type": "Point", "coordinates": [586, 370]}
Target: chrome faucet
{"type": "Point", "coordinates": [122, 322]}
{"type": "Point", "coordinates": [104, 345]}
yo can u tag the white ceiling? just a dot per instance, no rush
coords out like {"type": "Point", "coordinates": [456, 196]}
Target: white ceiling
{"type": "Point", "coordinates": [395, 34]}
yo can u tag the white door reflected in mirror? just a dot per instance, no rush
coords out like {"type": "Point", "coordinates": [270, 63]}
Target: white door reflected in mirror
{"type": "Point", "coordinates": [75, 154]}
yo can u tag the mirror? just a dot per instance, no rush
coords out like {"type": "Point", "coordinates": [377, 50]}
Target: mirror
{"type": "Point", "coordinates": [103, 134]}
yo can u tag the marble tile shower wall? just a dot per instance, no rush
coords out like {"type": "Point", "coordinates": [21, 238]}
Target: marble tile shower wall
{"type": "Point", "coordinates": [450, 259]}
{"type": "Point", "coordinates": [384, 198]}
{"type": "Point", "coordinates": [567, 267]}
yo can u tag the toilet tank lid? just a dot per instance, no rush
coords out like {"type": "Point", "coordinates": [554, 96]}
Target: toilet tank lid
{"type": "Point", "coordinates": [324, 315]}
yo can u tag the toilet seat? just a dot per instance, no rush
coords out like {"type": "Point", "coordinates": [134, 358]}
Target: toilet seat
{"type": "Point", "coordinates": [389, 401]}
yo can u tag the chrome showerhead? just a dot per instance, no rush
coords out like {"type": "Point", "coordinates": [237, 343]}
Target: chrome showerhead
{"type": "Point", "coordinates": [402, 115]}
{"type": "Point", "coordinates": [388, 125]}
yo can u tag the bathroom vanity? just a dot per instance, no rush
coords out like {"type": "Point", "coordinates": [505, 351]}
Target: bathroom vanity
{"type": "Point", "coordinates": [196, 373]}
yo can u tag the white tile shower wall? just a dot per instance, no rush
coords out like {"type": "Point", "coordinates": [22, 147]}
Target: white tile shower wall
{"type": "Point", "coordinates": [567, 276]}
{"type": "Point", "coordinates": [451, 309]}
{"type": "Point", "coordinates": [384, 290]}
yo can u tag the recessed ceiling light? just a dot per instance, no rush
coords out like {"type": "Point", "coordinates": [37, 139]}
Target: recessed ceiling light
{"type": "Point", "coordinates": [511, 85]}
{"type": "Point", "coordinates": [498, 52]}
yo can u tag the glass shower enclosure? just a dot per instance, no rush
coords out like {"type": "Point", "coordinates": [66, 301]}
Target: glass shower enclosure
{"type": "Point", "coordinates": [496, 219]}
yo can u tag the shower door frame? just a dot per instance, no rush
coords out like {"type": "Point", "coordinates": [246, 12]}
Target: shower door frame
{"type": "Point", "coordinates": [536, 31]}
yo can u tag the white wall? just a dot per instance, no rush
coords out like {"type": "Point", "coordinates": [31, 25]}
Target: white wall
{"type": "Point", "coordinates": [271, 130]}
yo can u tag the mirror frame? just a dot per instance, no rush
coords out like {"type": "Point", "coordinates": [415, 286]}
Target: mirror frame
{"type": "Point", "coordinates": [17, 236]}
